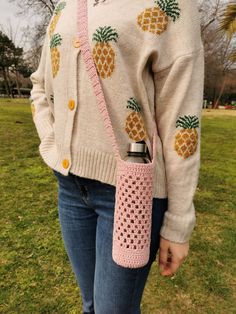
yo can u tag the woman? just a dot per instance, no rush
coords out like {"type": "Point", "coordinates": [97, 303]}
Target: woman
{"type": "Point", "coordinates": [150, 60]}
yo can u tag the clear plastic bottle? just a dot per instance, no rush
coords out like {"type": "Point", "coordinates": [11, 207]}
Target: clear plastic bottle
{"type": "Point", "coordinates": [137, 153]}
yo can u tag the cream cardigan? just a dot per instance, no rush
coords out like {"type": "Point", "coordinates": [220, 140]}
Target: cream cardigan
{"type": "Point", "coordinates": [150, 59]}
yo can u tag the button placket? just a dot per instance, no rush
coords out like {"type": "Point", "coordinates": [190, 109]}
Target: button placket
{"type": "Point", "coordinates": [66, 163]}
{"type": "Point", "coordinates": [71, 104]}
{"type": "Point", "coordinates": [76, 43]}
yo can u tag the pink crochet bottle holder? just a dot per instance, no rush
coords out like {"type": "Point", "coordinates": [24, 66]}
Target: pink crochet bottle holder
{"type": "Point", "coordinates": [134, 181]}
{"type": "Point", "coordinates": [133, 214]}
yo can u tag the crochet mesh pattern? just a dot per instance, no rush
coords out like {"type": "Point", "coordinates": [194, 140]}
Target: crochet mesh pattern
{"type": "Point", "coordinates": [133, 214]}
{"type": "Point", "coordinates": [134, 181]}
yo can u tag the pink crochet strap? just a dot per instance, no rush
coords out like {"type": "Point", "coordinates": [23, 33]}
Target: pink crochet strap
{"type": "Point", "coordinates": [82, 27]}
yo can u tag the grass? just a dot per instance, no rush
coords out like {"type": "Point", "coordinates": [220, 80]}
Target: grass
{"type": "Point", "coordinates": [35, 272]}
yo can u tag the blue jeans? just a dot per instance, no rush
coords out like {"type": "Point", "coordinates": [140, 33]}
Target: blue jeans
{"type": "Point", "coordinates": [86, 209]}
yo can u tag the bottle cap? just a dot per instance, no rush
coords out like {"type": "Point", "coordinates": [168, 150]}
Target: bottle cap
{"type": "Point", "coordinates": [138, 147]}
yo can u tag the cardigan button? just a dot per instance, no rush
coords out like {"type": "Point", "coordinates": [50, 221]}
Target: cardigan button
{"type": "Point", "coordinates": [76, 43]}
{"type": "Point", "coordinates": [65, 163]}
{"type": "Point", "coordinates": [71, 104]}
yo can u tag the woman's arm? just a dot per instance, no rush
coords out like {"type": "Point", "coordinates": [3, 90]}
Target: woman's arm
{"type": "Point", "coordinates": [179, 97]}
{"type": "Point", "coordinates": [42, 113]}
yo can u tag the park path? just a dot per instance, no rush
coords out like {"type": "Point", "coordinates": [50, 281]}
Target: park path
{"type": "Point", "coordinates": [219, 112]}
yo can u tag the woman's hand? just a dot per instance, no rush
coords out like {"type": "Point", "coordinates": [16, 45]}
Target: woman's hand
{"type": "Point", "coordinates": [171, 256]}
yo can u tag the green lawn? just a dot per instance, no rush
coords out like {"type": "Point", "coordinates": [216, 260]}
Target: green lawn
{"type": "Point", "coordinates": [35, 273]}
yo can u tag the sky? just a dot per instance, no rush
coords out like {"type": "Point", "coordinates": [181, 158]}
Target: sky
{"type": "Point", "coordinates": [8, 12]}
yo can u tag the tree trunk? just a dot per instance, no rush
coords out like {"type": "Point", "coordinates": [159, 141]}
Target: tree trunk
{"type": "Point", "coordinates": [6, 83]}
{"type": "Point", "coordinates": [9, 83]}
{"type": "Point", "coordinates": [216, 103]}
{"type": "Point", "coordinates": [17, 84]}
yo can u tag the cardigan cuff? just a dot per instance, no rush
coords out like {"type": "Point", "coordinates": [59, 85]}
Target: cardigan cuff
{"type": "Point", "coordinates": [178, 228]}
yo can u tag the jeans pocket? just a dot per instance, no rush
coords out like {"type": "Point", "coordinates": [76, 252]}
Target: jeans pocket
{"type": "Point", "coordinates": [54, 171]}
{"type": "Point", "coordinates": [57, 174]}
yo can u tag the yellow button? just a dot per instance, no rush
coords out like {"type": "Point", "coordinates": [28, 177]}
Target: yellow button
{"type": "Point", "coordinates": [65, 163]}
{"type": "Point", "coordinates": [71, 104]}
{"type": "Point", "coordinates": [76, 43]}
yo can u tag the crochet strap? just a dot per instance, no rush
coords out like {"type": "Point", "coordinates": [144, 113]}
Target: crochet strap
{"type": "Point", "coordinates": [82, 27]}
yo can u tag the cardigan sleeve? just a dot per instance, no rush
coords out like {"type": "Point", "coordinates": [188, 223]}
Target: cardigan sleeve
{"type": "Point", "coordinates": [178, 107]}
{"type": "Point", "coordinates": [42, 113]}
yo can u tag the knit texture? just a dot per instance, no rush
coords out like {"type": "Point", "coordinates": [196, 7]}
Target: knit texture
{"type": "Point", "coordinates": [134, 182]}
{"type": "Point", "coordinates": [150, 60]}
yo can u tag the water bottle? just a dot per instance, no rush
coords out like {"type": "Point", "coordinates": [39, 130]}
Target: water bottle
{"type": "Point", "coordinates": [138, 153]}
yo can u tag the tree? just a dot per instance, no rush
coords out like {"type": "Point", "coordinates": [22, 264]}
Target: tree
{"type": "Point", "coordinates": [12, 64]}
{"type": "Point", "coordinates": [209, 12]}
{"type": "Point", "coordinates": [41, 12]}
{"type": "Point", "coordinates": [6, 59]}
{"type": "Point", "coordinates": [41, 9]}
{"type": "Point", "coordinates": [228, 25]}
{"type": "Point", "coordinates": [19, 67]}
{"type": "Point", "coordinates": [218, 49]}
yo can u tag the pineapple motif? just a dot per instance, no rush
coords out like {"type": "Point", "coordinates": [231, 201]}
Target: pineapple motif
{"type": "Point", "coordinates": [134, 122]}
{"type": "Point", "coordinates": [103, 53]}
{"type": "Point", "coordinates": [55, 53]}
{"type": "Point", "coordinates": [186, 140]}
{"type": "Point", "coordinates": [57, 14]}
{"type": "Point", "coordinates": [155, 19]}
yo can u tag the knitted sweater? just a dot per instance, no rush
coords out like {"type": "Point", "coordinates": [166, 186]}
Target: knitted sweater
{"type": "Point", "coordinates": [150, 59]}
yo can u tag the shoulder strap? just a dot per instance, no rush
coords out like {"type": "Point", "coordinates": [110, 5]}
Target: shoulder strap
{"type": "Point", "coordinates": [82, 27]}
